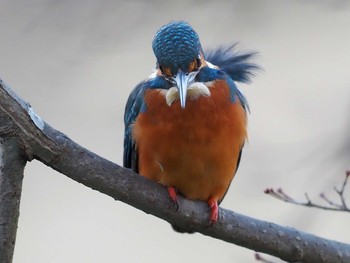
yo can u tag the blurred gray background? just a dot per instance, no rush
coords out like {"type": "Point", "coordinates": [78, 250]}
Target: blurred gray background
{"type": "Point", "coordinates": [77, 61]}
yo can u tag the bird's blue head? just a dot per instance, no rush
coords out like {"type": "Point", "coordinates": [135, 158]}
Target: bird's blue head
{"type": "Point", "coordinates": [178, 51]}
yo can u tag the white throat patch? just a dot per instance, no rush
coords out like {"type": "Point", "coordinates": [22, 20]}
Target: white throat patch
{"type": "Point", "coordinates": [194, 91]}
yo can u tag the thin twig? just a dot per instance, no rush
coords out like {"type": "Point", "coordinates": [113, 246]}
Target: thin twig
{"type": "Point", "coordinates": [341, 191]}
{"type": "Point", "coordinates": [330, 202]}
{"type": "Point", "coordinates": [331, 205]}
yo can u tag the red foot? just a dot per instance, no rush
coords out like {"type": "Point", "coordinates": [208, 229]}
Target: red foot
{"type": "Point", "coordinates": [173, 195]}
{"type": "Point", "coordinates": [214, 210]}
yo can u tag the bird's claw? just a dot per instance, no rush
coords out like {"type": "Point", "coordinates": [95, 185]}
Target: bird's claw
{"type": "Point", "coordinates": [173, 196]}
{"type": "Point", "coordinates": [214, 211]}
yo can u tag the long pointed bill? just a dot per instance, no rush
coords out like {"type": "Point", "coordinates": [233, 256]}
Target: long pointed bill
{"type": "Point", "coordinates": [183, 81]}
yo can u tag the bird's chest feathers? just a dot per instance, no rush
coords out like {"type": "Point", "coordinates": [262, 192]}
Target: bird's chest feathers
{"type": "Point", "coordinates": [208, 110]}
{"type": "Point", "coordinates": [194, 149]}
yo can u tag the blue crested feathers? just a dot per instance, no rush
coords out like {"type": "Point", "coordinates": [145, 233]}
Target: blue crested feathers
{"type": "Point", "coordinates": [236, 65]}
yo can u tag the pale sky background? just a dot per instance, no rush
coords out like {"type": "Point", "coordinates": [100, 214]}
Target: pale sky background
{"type": "Point", "coordinates": [76, 61]}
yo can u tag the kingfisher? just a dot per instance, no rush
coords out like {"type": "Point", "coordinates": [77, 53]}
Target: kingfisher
{"type": "Point", "coordinates": [185, 125]}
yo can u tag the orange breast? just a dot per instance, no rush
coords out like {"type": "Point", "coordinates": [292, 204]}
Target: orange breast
{"type": "Point", "coordinates": [194, 149]}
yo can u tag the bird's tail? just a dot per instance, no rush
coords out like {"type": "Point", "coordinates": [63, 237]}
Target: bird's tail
{"type": "Point", "coordinates": [237, 65]}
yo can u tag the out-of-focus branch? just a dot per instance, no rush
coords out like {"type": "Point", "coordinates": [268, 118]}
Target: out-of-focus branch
{"type": "Point", "coordinates": [330, 205]}
{"type": "Point", "coordinates": [40, 141]}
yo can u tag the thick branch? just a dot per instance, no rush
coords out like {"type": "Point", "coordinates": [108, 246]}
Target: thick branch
{"type": "Point", "coordinates": [11, 177]}
{"type": "Point", "coordinates": [42, 142]}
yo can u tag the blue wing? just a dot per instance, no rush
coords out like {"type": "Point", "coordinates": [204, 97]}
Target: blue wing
{"type": "Point", "coordinates": [132, 110]}
{"type": "Point", "coordinates": [134, 106]}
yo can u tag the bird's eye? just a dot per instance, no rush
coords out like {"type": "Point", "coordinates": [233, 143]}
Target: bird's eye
{"type": "Point", "coordinates": [195, 65]}
{"type": "Point", "coordinates": [165, 71]}
{"type": "Point", "coordinates": [199, 63]}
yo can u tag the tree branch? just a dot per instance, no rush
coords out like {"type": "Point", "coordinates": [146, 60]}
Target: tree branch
{"type": "Point", "coordinates": [11, 177]}
{"type": "Point", "coordinates": [42, 142]}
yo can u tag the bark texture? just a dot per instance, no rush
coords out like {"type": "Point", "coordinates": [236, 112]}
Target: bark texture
{"type": "Point", "coordinates": [11, 176]}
